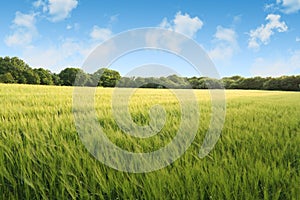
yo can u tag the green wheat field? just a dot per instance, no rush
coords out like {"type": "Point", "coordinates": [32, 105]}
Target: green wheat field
{"type": "Point", "coordinates": [42, 157]}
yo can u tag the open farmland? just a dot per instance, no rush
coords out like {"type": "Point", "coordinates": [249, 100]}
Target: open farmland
{"type": "Point", "coordinates": [41, 155]}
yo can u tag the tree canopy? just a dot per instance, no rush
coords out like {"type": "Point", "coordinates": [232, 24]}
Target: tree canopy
{"type": "Point", "coordinates": [15, 70]}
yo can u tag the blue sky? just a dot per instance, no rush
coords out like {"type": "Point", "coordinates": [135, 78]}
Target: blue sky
{"type": "Point", "coordinates": [247, 38]}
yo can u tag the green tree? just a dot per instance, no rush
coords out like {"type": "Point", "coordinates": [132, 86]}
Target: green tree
{"type": "Point", "coordinates": [7, 78]}
{"type": "Point", "coordinates": [212, 83]}
{"type": "Point", "coordinates": [197, 82]}
{"type": "Point", "coordinates": [272, 84]}
{"type": "Point", "coordinates": [233, 82]}
{"type": "Point", "coordinates": [45, 76]}
{"type": "Point", "coordinates": [179, 82]}
{"type": "Point", "coordinates": [289, 83]}
{"type": "Point", "coordinates": [55, 78]}
{"type": "Point", "coordinates": [19, 70]}
{"type": "Point", "coordinates": [109, 78]}
{"type": "Point", "coordinates": [31, 77]}
{"type": "Point", "coordinates": [95, 77]}
{"type": "Point", "coordinates": [69, 75]}
{"type": "Point", "coordinates": [255, 83]}
{"type": "Point", "coordinates": [125, 82]}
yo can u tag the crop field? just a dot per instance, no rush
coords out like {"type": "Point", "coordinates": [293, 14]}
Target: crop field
{"type": "Point", "coordinates": [42, 156]}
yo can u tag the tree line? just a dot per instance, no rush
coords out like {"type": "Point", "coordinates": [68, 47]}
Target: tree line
{"type": "Point", "coordinates": [15, 70]}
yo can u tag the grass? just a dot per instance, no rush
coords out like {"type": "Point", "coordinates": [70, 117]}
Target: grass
{"type": "Point", "coordinates": [41, 155]}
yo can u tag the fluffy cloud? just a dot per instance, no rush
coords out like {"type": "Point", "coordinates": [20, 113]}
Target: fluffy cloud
{"type": "Point", "coordinates": [226, 44]}
{"type": "Point", "coordinates": [262, 34]}
{"type": "Point", "coordinates": [61, 9]}
{"type": "Point", "coordinates": [24, 30]}
{"type": "Point", "coordinates": [100, 34]}
{"type": "Point", "coordinates": [56, 9]}
{"type": "Point", "coordinates": [24, 20]}
{"type": "Point", "coordinates": [183, 23]}
{"type": "Point", "coordinates": [297, 39]}
{"type": "Point", "coordinates": [289, 6]}
{"type": "Point", "coordinates": [276, 67]}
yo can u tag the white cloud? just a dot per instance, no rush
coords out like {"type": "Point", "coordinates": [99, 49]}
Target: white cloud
{"type": "Point", "coordinates": [47, 57]}
{"type": "Point", "coordinates": [24, 30]}
{"type": "Point", "coordinates": [226, 34]}
{"type": "Point", "coordinates": [268, 7]}
{"type": "Point", "coordinates": [277, 66]}
{"type": "Point", "coordinates": [19, 38]}
{"type": "Point", "coordinates": [262, 34]}
{"type": "Point", "coordinates": [226, 44]}
{"type": "Point", "coordinates": [297, 39]}
{"type": "Point", "coordinates": [289, 6]}
{"type": "Point", "coordinates": [42, 4]}
{"type": "Point", "coordinates": [68, 52]}
{"type": "Point", "coordinates": [183, 23]}
{"type": "Point", "coordinates": [24, 20]}
{"type": "Point", "coordinates": [56, 9]}
{"type": "Point", "coordinates": [61, 9]}
{"type": "Point", "coordinates": [165, 24]}
{"type": "Point", "coordinates": [74, 26]}
{"type": "Point", "coordinates": [100, 34]}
